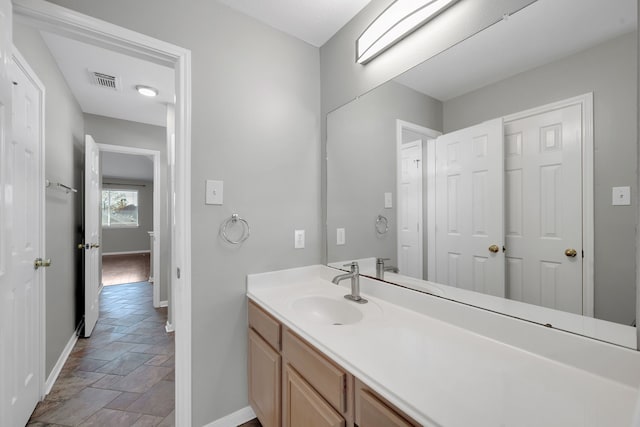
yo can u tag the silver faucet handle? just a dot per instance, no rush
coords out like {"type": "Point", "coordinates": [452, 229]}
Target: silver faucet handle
{"type": "Point", "coordinates": [354, 266]}
{"type": "Point", "coordinates": [382, 260]}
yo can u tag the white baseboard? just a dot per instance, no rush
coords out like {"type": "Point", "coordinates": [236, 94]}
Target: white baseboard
{"type": "Point", "coordinates": [53, 376]}
{"type": "Point", "coordinates": [169, 327]}
{"type": "Point", "coordinates": [164, 304]}
{"type": "Point", "coordinates": [235, 419]}
{"type": "Point", "coordinates": [126, 253]}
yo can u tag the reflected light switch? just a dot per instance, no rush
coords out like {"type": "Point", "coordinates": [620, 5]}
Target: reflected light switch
{"type": "Point", "coordinates": [340, 236]}
{"type": "Point", "coordinates": [388, 203]}
{"type": "Point", "coordinates": [621, 196]}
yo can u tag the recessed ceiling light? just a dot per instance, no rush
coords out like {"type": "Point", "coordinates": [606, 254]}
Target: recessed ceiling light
{"type": "Point", "coordinates": [147, 90]}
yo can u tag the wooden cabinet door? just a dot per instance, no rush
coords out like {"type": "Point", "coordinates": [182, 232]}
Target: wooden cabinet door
{"type": "Point", "coordinates": [305, 407]}
{"type": "Point", "coordinates": [265, 368]}
{"type": "Point", "coordinates": [375, 413]}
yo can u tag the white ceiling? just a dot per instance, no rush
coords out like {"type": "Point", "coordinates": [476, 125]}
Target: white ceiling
{"type": "Point", "coordinates": [76, 59]}
{"type": "Point", "coordinates": [543, 32]}
{"type": "Point", "coordinates": [126, 166]}
{"type": "Point", "coordinates": [314, 21]}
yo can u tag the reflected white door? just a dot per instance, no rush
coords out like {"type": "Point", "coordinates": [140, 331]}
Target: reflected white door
{"type": "Point", "coordinates": [92, 224]}
{"type": "Point", "coordinates": [543, 192]}
{"type": "Point", "coordinates": [23, 186]}
{"type": "Point", "coordinates": [410, 210]}
{"type": "Point", "coordinates": [469, 208]}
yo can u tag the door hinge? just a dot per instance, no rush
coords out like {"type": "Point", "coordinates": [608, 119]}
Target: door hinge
{"type": "Point", "coordinates": [178, 272]}
{"type": "Point", "coordinates": [583, 254]}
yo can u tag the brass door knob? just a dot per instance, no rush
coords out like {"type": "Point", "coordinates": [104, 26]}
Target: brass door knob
{"type": "Point", "coordinates": [571, 253]}
{"type": "Point", "coordinates": [494, 249]}
{"type": "Point", "coordinates": [39, 262]}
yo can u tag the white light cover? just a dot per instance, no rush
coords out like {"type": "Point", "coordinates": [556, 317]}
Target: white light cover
{"type": "Point", "coordinates": [397, 21]}
{"type": "Point", "coordinates": [147, 90]}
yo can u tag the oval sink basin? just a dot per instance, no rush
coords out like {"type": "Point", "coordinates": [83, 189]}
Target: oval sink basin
{"type": "Point", "coordinates": [327, 310]}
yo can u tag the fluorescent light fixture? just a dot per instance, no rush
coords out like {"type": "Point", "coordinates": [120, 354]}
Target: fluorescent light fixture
{"type": "Point", "coordinates": [147, 90]}
{"type": "Point", "coordinates": [397, 21]}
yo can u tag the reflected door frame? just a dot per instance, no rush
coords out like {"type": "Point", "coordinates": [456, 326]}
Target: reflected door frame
{"type": "Point", "coordinates": [588, 225]}
{"type": "Point", "coordinates": [428, 188]}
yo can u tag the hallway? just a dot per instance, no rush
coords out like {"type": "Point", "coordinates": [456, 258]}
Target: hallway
{"type": "Point", "coordinates": [123, 375]}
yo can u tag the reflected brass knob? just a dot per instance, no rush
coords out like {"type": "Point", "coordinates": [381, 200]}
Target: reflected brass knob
{"type": "Point", "coordinates": [571, 253]}
{"type": "Point", "coordinates": [494, 249]}
{"type": "Point", "coordinates": [95, 245]}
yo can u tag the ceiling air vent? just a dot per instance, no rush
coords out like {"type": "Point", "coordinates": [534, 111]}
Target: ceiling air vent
{"type": "Point", "coordinates": [104, 80]}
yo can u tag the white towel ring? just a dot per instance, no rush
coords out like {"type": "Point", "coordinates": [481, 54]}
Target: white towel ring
{"type": "Point", "coordinates": [246, 230]}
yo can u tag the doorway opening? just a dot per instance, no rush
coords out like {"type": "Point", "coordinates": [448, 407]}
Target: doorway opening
{"type": "Point", "coordinates": [46, 16]}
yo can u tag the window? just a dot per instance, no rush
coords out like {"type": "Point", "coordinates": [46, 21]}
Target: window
{"type": "Point", "coordinates": [119, 208]}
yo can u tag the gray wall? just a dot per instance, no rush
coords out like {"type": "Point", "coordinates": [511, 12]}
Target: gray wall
{"type": "Point", "coordinates": [610, 72]}
{"type": "Point", "coordinates": [64, 156]}
{"type": "Point", "coordinates": [106, 130]}
{"type": "Point", "coordinates": [130, 239]}
{"type": "Point", "coordinates": [256, 125]}
{"type": "Point", "coordinates": [361, 166]}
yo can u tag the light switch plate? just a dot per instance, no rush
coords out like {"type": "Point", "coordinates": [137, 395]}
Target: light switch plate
{"type": "Point", "coordinates": [621, 196]}
{"type": "Point", "coordinates": [388, 201]}
{"type": "Point", "coordinates": [214, 192]}
{"type": "Point", "coordinates": [340, 236]}
{"type": "Point", "coordinates": [298, 239]}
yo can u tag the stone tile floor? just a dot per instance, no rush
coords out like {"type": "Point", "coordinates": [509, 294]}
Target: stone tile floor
{"type": "Point", "coordinates": [123, 375]}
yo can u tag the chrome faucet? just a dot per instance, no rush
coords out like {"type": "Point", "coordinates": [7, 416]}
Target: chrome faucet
{"type": "Point", "coordinates": [380, 268]}
{"type": "Point", "coordinates": [354, 275]}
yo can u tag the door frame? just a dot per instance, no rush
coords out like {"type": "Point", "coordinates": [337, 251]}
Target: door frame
{"type": "Point", "coordinates": [40, 278]}
{"type": "Point", "coordinates": [585, 102]}
{"type": "Point", "coordinates": [430, 167]}
{"type": "Point", "coordinates": [51, 17]}
{"type": "Point", "coordinates": [157, 191]}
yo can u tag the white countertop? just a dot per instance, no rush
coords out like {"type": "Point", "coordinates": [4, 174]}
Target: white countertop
{"type": "Point", "coordinates": [442, 374]}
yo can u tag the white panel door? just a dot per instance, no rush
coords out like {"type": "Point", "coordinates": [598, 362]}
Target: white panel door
{"type": "Point", "coordinates": [23, 184]}
{"type": "Point", "coordinates": [92, 224]}
{"type": "Point", "coordinates": [543, 183]}
{"type": "Point", "coordinates": [469, 208]}
{"type": "Point", "coordinates": [410, 210]}
{"type": "Point", "coordinates": [6, 207]}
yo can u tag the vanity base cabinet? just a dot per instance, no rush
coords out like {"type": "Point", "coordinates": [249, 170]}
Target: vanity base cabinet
{"type": "Point", "coordinates": [265, 370]}
{"type": "Point", "coordinates": [304, 406]}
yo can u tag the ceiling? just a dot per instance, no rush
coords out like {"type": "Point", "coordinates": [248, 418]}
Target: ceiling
{"type": "Point", "coordinates": [126, 166]}
{"type": "Point", "coordinates": [77, 59]}
{"type": "Point", "coordinates": [314, 21]}
{"type": "Point", "coordinates": [541, 33]}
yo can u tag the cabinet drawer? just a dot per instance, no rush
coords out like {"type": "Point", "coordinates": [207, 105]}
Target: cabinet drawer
{"type": "Point", "coordinates": [328, 379]}
{"type": "Point", "coordinates": [305, 407]}
{"type": "Point", "coordinates": [265, 325]}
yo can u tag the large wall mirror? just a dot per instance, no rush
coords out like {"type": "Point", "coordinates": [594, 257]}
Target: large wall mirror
{"type": "Point", "coordinates": [502, 172]}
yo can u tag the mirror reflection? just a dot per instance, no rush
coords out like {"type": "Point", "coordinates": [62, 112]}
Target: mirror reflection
{"type": "Point", "coordinates": [502, 172]}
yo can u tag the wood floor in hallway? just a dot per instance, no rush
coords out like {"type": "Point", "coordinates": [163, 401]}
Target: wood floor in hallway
{"type": "Point", "coordinates": [123, 375]}
{"type": "Point", "coordinates": [125, 268]}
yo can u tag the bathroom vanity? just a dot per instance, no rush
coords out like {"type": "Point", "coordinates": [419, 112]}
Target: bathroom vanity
{"type": "Point", "coordinates": [407, 358]}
